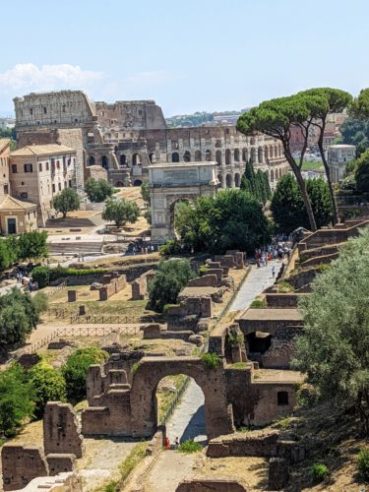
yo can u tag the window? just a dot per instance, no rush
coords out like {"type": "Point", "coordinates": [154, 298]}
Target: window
{"type": "Point", "coordinates": [63, 108]}
{"type": "Point", "coordinates": [53, 188]}
{"type": "Point", "coordinates": [59, 186]}
{"type": "Point", "coordinates": [6, 189]}
{"type": "Point", "coordinates": [45, 110]}
{"type": "Point", "coordinates": [282, 398]}
{"type": "Point", "coordinates": [28, 168]}
{"type": "Point", "coordinates": [47, 165]}
{"type": "Point", "coordinates": [40, 167]}
{"type": "Point", "coordinates": [31, 111]}
{"type": "Point", "coordinates": [70, 183]}
{"type": "Point", "coordinates": [24, 195]}
{"type": "Point", "coordinates": [14, 169]}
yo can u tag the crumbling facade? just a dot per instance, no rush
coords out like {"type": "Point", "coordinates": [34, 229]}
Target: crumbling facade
{"type": "Point", "coordinates": [127, 136]}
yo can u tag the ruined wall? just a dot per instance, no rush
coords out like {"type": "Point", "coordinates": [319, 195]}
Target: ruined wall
{"type": "Point", "coordinates": [131, 115]}
{"type": "Point", "coordinates": [210, 485]}
{"type": "Point", "coordinates": [20, 465]}
{"type": "Point", "coordinates": [115, 285]}
{"type": "Point", "coordinates": [61, 430]}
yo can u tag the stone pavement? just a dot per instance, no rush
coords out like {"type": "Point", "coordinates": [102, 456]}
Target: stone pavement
{"type": "Point", "coordinates": [257, 280]}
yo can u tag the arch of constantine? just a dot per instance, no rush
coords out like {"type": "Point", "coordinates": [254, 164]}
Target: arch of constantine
{"type": "Point", "coordinates": [170, 183]}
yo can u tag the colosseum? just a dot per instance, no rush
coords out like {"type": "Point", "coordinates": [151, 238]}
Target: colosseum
{"type": "Point", "coordinates": [127, 136]}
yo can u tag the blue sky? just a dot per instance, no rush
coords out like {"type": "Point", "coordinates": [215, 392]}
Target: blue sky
{"type": "Point", "coordinates": [187, 55]}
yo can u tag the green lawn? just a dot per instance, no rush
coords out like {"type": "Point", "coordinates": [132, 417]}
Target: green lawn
{"type": "Point", "coordinates": [312, 166]}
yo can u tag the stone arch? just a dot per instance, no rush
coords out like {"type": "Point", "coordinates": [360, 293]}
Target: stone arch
{"type": "Point", "coordinates": [218, 157]}
{"type": "Point", "coordinates": [119, 184]}
{"type": "Point", "coordinates": [229, 181]}
{"type": "Point", "coordinates": [220, 178]}
{"type": "Point", "coordinates": [123, 160]}
{"type": "Point", "coordinates": [208, 155]}
{"type": "Point", "coordinates": [271, 152]}
{"type": "Point", "coordinates": [136, 160]}
{"type": "Point", "coordinates": [272, 175]}
{"type": "Point", "coordinates": [237, 180]}
{"type": "Point", "coordinates": [236, 155]}
{"type": "Point", "coordinates": [218, 415]}
{"type": "Point", "coordinates": [172, 212]}
{"type": "Point", "coordinates": [187, 156]}
{"type": "Point", "coordinates": [91, 160]}
{"type": "Point", "coordinates": [137, 182]}
{"type": "Point", "coordinates": [227, 156]}
{"type": "Point", "coordinates": [245, 155]}
{"type": "Point", "coordinates": [175, 157]}
{"type": "Point", "coordinates": [253, 155]}
{"type": "Point", "coordinates": [198, 156]}
{"type": "Point", "coordinates": [104, 162]}
{"type": "Point", "coordinates": [266, 153]}
{"type": "Point", "coordinates": [152, 157]}
{"type": "Point", "coordinates": [260, 155]}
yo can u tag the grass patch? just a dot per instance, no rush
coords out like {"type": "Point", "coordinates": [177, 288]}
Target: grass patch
{"type": "Point", "coordinates": [319, 472]}
{"type": "Point", "coordinates": [126, 468]}
{"type": "Point", "coordinates": [239, 365]}
{"type": "Point", "coordinates": [312, 166]}
{"type": "Point", "coordinates": [189, 447]}
{"type": "Point", "coordinates": [211, 360]}
{"type": "Point", "coordinates": [258, 303]}
{"type": "Point", "coordinates": [363, 464]}
{"type": "Point", "coordinates": [284, 287]}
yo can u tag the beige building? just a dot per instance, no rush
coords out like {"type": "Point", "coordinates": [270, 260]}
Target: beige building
{"type": "Point", "coordinates": [4, 167]}
{"type": "Point", "coordinates": [338, 157]}
{"type": "Point", "coordinates": [17, 216]}
{"type": "Point", "coordinates": [39, 172]}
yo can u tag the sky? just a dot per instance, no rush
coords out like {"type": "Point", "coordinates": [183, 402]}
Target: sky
{"type": "Point", "coordinates": [189, 55]}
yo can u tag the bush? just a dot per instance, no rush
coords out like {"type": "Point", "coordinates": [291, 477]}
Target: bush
{"type": "Point", "coordinates": [98, 190]}
{"type": "Point", "coordinates": [16, 400]}
{"type": "Point", "coordinates": [211, 360]}
{"type": "Point", "coordinates": [33, 245]}
{"type": "Point", "coordinates": [121, 211]}
{"type": "Point", "coordinates": [76, 368]}
{"type": "Point", "coordinates": [170, 278]}
{"type": "Point", "coordinates": [363, 464]}
{"type": "Point", "coordinates": [189, 447]}
{"type": "Point", "coordinates": [258, 304]}
{"type": "Point", "coordinates": [171, 247]}
{"type": "Point", "coordinates": [319, 472]}
{"type": "Point", "coordinates": [48, 385]}
{"type": "Point", "coordinates": [41, 275]}
{"type": "Point", "coordinates": [40, 302]}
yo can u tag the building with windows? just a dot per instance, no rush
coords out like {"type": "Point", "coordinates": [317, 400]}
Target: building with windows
{"type": "Point", "coordinates": [39, 172]}
{"type": "Point", "coordinates": [4, 167]}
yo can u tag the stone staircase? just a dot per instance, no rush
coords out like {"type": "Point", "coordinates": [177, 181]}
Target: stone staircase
{"type": "Point", "coordinates": [76, 248]}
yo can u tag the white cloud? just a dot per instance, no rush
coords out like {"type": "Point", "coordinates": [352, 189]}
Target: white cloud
{"type": "Point", "coordinates": [26, 77]}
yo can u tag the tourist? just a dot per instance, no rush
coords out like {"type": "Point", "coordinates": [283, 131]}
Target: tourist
{"type": "Point", "coordinates": [176, 443]}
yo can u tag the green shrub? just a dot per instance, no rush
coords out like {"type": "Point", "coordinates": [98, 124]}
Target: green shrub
{"type": "Point", "coordinates": [258, 304]}
{"type": "Point", "coordinates": [16, 400]}
{"type": "Point", "coordinates": [40, 302]}
{"type": "Point", "coordinates": [189, 447]}
{"type": "Point", "coordinates": [48, 385]}
{"type": "Point", "coordinates": [41, 275]}
{"type": "Point", "coordinates": [171, 247]}
{"type": "Point", "coordinates": [284, 287]}
{"type": "Point", "coordinates": [203, 269]}
{"type": "Point", "coordinates": [319, 472]}
{"type": "Point", "coordinates": [98, 189]}
{"type": "Point", "coordinates": [363, 464]}
{"type": "Point", "coordinates": [76, 368]}
{"type": "Point", "coordinates": [211, 360]}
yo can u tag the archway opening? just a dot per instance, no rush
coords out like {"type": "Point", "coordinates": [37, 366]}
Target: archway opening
{"type": "Point", "coordinates": [137, 182]}
{"type": "Point", "coordinates": [187, 156]}
{"type": "Point", "coordinates": [236, 155]}
{"type": "Point", "coordinates": [123, 160]}
{"type": "Point", "coordinates": [227, 156]}
{"type": "Point", "coordinates": [175, 157]}
{"type": "Point", "coordinates": [177, 218]}
{"type": "Point", "coordinates": [208, 155]}
{"type": "Point", "coordinates": [136, 160]}
{"type": "Point", "coordinates": [218, 157]}
{"type": "Point", "coordinates": [152, 157]}
{"type": "Point", "coordinates": [91, 160]}
{"type": "Point", "coordinates": [237, 180]}
{"type": "Point", "coordinates": [104, 162]}
{"type": "Point", "coordinates": [229, 181]}
{"type": "Point", "coordinates": [180, 404]}
{"type": "Point", "coordinates": [119, 184]}
{"type": "Point", "coordinates": [198, 156]}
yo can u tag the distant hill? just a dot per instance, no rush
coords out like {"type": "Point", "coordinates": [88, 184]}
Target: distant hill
{"type": "Point", "coordinates": [204, 119]}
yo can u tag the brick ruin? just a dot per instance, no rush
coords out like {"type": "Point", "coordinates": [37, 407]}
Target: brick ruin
{"type": "Point", "coordinates": [63, 443]}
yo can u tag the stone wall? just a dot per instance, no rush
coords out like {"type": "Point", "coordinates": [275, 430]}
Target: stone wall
{"type": "Point", "coordinates": [113, 284]}
{"type": "Point", "coordinates": [140, 285]}
{"type": "Point", "coordinates": [210, 485]}
{"type": "Point", "coordinates": [288, 300]}
{"type": "Point", "coordinates": [61, 430]}
{"type": "Point", "coordinates": [21, 464]}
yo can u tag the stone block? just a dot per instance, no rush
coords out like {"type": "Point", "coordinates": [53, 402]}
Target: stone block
{"type": "Point", "coordinates": [60, 463]}
{"type": "Point", "coordinates": [20, 465]}
{"type": "Point", "coordinates": [278, 473]}
{"type": "Point", "coordinates": [151, 331]}
{"type": "Point", "coordinates": [61, 430]}
{"type": "Point", "coordinates": [72, 295]}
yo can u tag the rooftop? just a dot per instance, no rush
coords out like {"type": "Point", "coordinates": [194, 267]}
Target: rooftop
{"type": "Point", "coordinates": [271, 315]}
{"type": "Point", "coordinates": [11, 203]}
{"type": "Point", "coordinates": [4, 142]}
{"type": "Point", "coordinates": [38, 150]}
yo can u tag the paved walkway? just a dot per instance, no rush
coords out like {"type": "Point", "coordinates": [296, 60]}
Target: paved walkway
{"type": "Point", "coordinates": [257, 280]}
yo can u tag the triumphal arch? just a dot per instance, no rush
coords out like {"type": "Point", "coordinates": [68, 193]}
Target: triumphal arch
{"type": "Point", "coordinates": [174, 182]}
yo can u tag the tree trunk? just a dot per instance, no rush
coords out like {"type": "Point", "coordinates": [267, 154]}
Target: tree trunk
{"type": "Point", "coordinates": [64, 215]}
{"type": "Point", "coordinates": [300, 181]}
{"type": "Point", "coordinates": [330, 186]}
